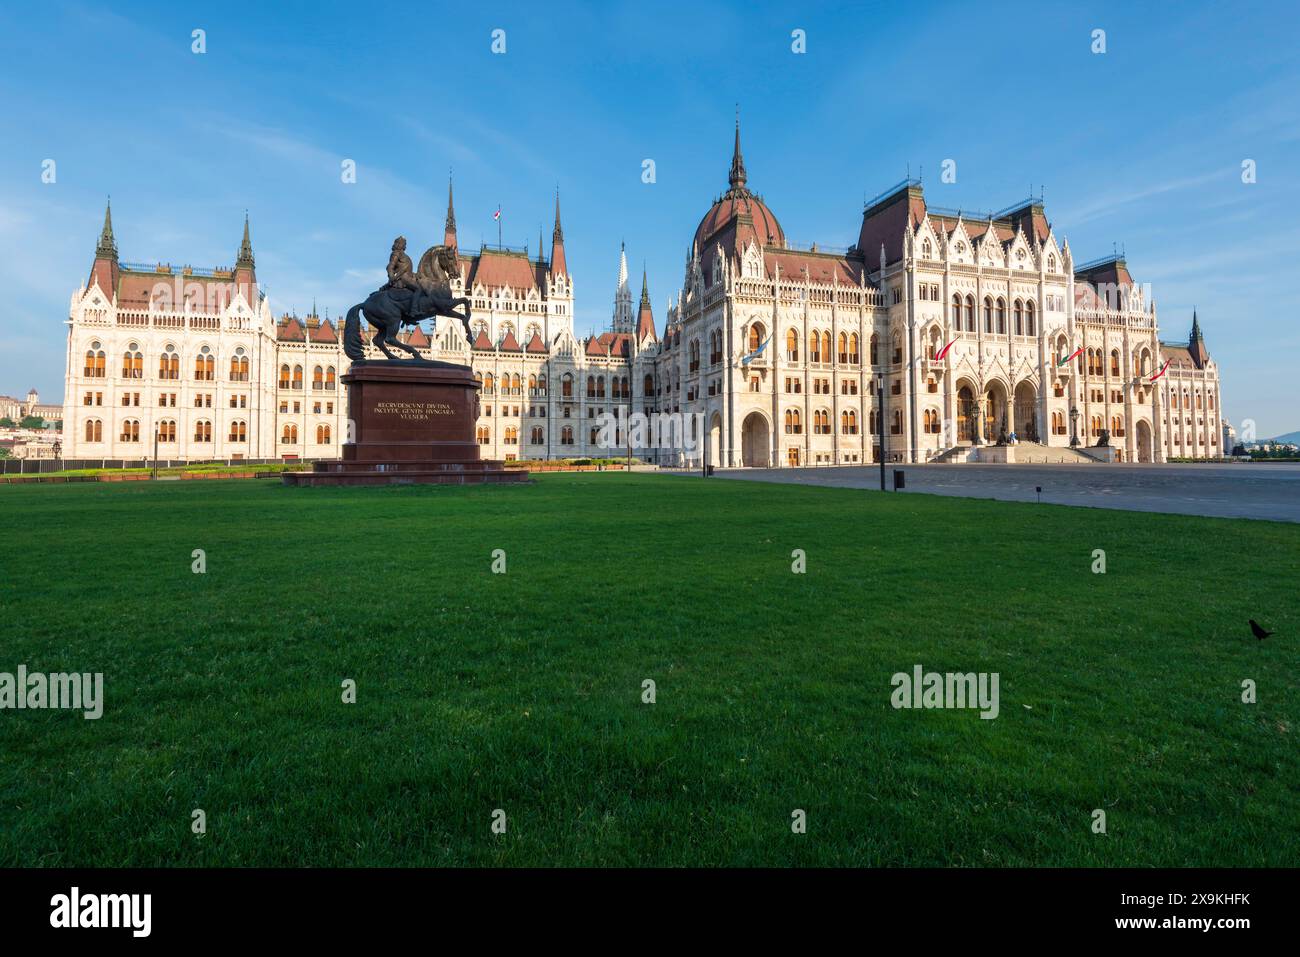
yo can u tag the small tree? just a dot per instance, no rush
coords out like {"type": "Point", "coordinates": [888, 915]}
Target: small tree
{"type": "Point", "coordinates": [7, 423]}
{"type": "Point", "coordinates": [32, 422]}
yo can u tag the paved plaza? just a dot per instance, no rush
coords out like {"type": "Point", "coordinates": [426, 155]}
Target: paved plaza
{"type": "Point", "coordinates": [1256, 491]}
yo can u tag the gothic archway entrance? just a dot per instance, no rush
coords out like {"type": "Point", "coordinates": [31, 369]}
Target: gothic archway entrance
{"type": "Point", "coordinates": [1025, 423]}
{"type": "Point", "coordinates": [754, 441]}
{"type": "Point", "coordinates": [715, 440]}
{"type": "Point", "coordinates": [995, 411]}
{"type": "Point", "coordinates": [1143, 441]}
{"type": "Point", "coordinates": [967, 412]}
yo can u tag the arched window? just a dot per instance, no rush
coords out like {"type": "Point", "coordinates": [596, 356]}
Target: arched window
{"type": "Point", "coordinates": [970, 313]}
{"type": "Point", "coordinates": [600, 387]}
{"type": "Point", "coordinates": [284, 376]}
{"type": "Point", "coordinates": [1018, 317]}
{"type": "Point", "coordinates": [94, 430]}
{"type": "Point", "coordinates": [591, 387]}
{"type": "Point", "coordinates": [1114, 362]}
{"type": "Point", "coordinates": [1030, 329]}
{"type": "Point", "coordinates": [330, 379]}
{"type": "Point", "coordinates": [875, 358]}
{"type": "Point", "coordinates": [203, 431]}
{"type": "Point", "coordinates": [297, 377]}
{"type": "Point", "coordinates": [483, 434]}
{"type": "Point", "coordinates": [849, 422]}
{"type": "Point", "coordinates": [532, 385]}
{"type": "Point", "coordinates": [489, 383]}
{"type": "Point", "coordinates": [814, 347]}
{"type": "Point", "coordinates": [792, 346]}
{"type": "Point", "coordinates": [793, 422]}
{"type": "Point", "coordinates": [514, 384]}
{"type": "Point", "coordinates": [1002, 316]}
{"type": "Point", "coordinates": [133, 363]}
{"type": "Point", "coordinates": [322, 434]}
{"type": "Point", "coordinates": [988, 314]}
{"type": "Point", "coordinates": [566, 386]}
{"type": "Point", "coordinates": [756, 336]}
{"type": "Point", "coordinates": [512, 435]}
{"type": "Point", "coordinates": [844, 347]}
{"type": "Point", "coordinates": [926, 249]}
{"type": "Point", "coordinates": [541, 385]}
{"type": "Point", "coordinates": [238, 431]}
{"type": "Point", "coordinates": [853, 348]}
{"type": "Point", "coordinates": [956, 312]}
{"type": "Point", "coordinates": [94, 362]}
{"type": "Point", "coordinates": [204, 366]}
{"type": "Point", "coordinates": [537, 436]}
{"type": "Point", "coordinates": [317, 378]}
{"type": "Point", "coordinates": [167, 431]}
{"type": "Point", "coordinates": [826, 347]}
{"type": "Point", "coordinates": [131, 430]}
{"type": "Point", "coordinates": [168, 360]}
{"type": "Point", "coordinates": [239, 366]}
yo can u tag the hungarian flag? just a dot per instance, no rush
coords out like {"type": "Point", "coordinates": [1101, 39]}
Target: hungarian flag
{"type": "Point", "coordinates": [938, 356]}
{"type": "Point", "coordinates": [1067, 359]}
{"type": "Point", "coordinates": [497, 214]}
{"type": "Point", "coordinates": [1162, 371]}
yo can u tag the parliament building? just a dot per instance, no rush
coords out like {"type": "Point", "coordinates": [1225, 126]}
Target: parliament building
{"type": "Point", "coordinates": [962, 336]}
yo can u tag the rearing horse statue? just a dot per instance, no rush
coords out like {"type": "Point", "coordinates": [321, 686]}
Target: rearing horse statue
{"type": "Point", "coordinates": [424, 296]}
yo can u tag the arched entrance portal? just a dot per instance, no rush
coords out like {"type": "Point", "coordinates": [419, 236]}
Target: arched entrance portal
{"type": "Point", "coordinates": [1143, 441]}
{"type": "Point", "coordinates": [967, 413]}
{"type": "Point", "coordinates": [715, 440]}
{"type": "Point", "coordinates": [995, 412]}
{"type": "Point", "coordinates": [1025, 423]}
{"type": "Point", "coordinates": [754, 442]}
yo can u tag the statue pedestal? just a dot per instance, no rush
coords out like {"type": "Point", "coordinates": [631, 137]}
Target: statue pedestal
{"type": "Point", "coordinates": [409, 423]}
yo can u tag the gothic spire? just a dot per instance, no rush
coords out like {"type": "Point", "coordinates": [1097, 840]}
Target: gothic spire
{"type": "Point", "coordinates": [645, 289]}
{"type": "Point", "coordinates": [245, 258]}
{"type": "Point", "coordinates": [736, 177]}
{"type": "Point", "coordinates": [449, 227]}
{"type": "Point", "coordinates": [107, 246]}
{"type": "Point", "coordinates": [558, 234]}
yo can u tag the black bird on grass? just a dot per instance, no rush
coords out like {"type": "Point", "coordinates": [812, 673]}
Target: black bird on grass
{"type": "Point", "coordinates": [1260, 633]}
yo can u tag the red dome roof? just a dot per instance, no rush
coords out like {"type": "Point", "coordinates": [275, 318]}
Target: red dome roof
{"type": "Point", "coordinates": [736, 202]}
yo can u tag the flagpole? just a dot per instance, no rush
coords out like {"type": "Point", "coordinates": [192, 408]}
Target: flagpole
{"type": "Point", "coordinates": [498, 225]}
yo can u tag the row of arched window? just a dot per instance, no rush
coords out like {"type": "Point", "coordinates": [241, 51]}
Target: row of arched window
{"type": "Point", "coordinates": [1023, 315]}
{"type": "Point", "coordinates": [513, 384]}
{"type": "Point", "coordinates": [94, 430]}
{"type": "Point", "coordinates": [95, 365]}
{"type": "Point", "coordinates": [323, 378]}
{"type": "Point", "coordinates": [289, 434]}
{"type": "Point", "coordinates": [821, 419]}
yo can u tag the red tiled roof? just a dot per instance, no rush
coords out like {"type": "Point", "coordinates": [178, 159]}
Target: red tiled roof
{"type": "Point", "coordinates": [510, 343]}
{"type": "Point", "coordinates": [535, 344]}
{"type": "Point", "coordinates": [481, 342]}
{"type": "Point", "coordinates": [324, 333]}
{"type": "Point", "coordinates": [596, 348]}
{"type": "Point", "coordinates": [496, 270]}
{"type": "Point", "coordinates": [418, 338]}
{"type": "Point", "coordinates": [291, 330]}
{"type": "Point", "coordinates": [819, 268]}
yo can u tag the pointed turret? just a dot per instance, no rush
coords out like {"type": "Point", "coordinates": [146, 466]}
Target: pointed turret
{"type": "Point", "coordinates": [245, 275]}
{"type": "Point", "coordinates": [558, 265]}
{"type": "Point", "coordinates": [105, 269]}
{"type": "Point", "coordinates": [1196, 344]}
{"type": "Point", "coordinates": [737, 177]}
{"type": "Point", "coordinates": [622, 321]}
{"type": "Point", "coordinates": [449, 227]}
{"type": "Point", "coordinates": [645, 320]}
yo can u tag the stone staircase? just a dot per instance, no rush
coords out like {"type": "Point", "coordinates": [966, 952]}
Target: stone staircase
{"type": "Point", "coordinates": [1022, 453]}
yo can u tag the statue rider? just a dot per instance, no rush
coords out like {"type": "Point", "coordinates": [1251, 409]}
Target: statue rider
{"type": "Point", "coordinates": [400, 273]}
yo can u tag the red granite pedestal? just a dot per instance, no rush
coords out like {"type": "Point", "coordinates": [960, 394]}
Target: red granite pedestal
{"type": "Point", "coordinates": [410, 423]}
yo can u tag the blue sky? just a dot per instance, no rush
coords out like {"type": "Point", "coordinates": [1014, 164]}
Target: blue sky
{"type": "Point", "coordinates": [1140, 146]}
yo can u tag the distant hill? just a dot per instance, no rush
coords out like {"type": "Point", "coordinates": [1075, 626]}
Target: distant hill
{"type": "Point", "coordinates": [1291, 438]}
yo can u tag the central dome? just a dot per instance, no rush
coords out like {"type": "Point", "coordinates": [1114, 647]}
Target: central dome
{"type": "Point", "coordinates": [736, 203]}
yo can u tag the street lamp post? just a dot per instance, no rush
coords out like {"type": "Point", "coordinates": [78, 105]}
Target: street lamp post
{"type": "Point", "coordinates": [1074, 426]}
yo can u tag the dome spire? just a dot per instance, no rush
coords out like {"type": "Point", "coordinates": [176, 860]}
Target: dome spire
{"type": "Point", "coordinates": [737, 177]}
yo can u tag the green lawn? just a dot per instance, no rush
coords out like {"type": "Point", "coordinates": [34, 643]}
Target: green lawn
{"type": "Point", "coordinates": [522, 691]}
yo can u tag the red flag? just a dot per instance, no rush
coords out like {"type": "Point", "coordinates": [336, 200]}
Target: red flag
{"type": "Point", "coordinates": [1162, 371]}
{"type": "Point", "coordinates": [938, 357]}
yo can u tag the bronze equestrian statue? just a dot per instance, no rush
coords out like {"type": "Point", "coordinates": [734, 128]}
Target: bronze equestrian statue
{"type": "Point", "coordinates": [404, 300]}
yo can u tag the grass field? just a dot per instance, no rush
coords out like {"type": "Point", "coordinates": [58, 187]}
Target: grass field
{"type": "Point", "coordinates": [522, 691]}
